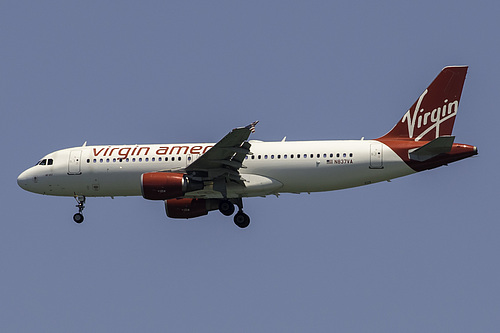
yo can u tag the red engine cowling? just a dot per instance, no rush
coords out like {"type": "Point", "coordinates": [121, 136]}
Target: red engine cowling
{"type": "Point", "coordinates": [167, 185]}
{"type": "Point", "coordinates": [188, 207]}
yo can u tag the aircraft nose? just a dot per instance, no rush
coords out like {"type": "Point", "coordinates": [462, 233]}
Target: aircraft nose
{"type": "Point", "coordinates": [25, 179]}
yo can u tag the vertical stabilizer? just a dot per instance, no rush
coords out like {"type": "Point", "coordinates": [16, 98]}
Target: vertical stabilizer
{"type": "Point", "coordinates": [433, 113]}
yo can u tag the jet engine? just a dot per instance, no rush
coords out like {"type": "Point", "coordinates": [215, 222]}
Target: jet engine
{"type": "Point", "coordinates": [167, 185]}
{"type": "Point", "coordinates": [188, 207]}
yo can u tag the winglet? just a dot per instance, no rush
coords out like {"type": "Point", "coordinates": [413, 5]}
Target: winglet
{"type": "Point", "coordinates": [251, 127]}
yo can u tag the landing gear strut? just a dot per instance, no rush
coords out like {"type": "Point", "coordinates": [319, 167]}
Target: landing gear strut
{"type": "Point", "coordinates": [241, 219]}
{"type": "Point", "coordinates": [226, 207]}
{"type": "Point", "coordinates": [78, 217]}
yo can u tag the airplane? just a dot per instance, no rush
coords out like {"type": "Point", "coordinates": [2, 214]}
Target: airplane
{"type": "Point", "coordinates": [192, 179]}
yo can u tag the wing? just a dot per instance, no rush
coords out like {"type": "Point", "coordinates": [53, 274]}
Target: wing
{"type": "Point", "coordinates": [222, 162]}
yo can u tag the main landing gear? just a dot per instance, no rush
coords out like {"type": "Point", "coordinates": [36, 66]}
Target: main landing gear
{"type": "Point", "coordinates": [78, 217]}
{"type": "Point", "coordinates": [241, 219]}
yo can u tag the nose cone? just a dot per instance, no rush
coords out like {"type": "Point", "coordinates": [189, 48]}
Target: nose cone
{"type": "Point", "coordinates": [26, 180]}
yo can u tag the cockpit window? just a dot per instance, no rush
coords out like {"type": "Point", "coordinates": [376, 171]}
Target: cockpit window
{"type": "Point", "coordinates": [46, 162]}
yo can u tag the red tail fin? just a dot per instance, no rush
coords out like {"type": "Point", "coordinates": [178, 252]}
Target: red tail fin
{"type": "Point", "coordinates": [433, 114]}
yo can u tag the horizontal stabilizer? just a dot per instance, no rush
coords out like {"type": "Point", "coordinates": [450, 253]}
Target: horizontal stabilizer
{"type": "Point", "coordinates": [441, 145]}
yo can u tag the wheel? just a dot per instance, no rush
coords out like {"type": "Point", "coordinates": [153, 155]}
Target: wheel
{"type": "Point", "coordinates": [242, 220]}
{"type": "Point", "coordinates": [78, 218]}
{"type": "Point", "coordinates": [226, 207]}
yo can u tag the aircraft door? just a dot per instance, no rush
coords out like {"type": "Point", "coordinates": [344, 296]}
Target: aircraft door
{"type": "Point", "coordinates": [74, 163]}
{"type": "Point", "coordinates": [376, 156]}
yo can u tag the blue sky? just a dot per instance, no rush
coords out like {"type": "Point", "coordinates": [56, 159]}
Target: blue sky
{"type": "Point", "coordinates": [419, 254]}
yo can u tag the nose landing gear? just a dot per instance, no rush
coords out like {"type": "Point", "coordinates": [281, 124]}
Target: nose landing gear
{"type": "Point", "coordinates": [78, 217]}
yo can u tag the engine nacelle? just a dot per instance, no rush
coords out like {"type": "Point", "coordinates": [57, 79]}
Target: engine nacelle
{"type": "Point", "coordinates": [188, 207]}
{"type": "Point", "coordinates": [167, 185]}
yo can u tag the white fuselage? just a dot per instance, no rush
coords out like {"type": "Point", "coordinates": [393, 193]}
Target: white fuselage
{"type": "Point", "coordinates": [193, 179]}
{"type": "Point", "coordinates": [272, 168]}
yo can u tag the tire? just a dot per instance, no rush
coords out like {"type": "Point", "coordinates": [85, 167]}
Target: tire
{"type": "Point", "coordinates": [226, 207]}
{"type": "Point", "coordinates": [242, 220]}
{"type": "Point", "coordinates": [78, 218]}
